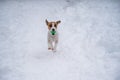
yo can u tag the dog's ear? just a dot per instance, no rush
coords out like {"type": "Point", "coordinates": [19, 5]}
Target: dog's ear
{"type": "Point", "coordinates": [58, 22]}
{"type": "Point", "coordinates": [46, 21]}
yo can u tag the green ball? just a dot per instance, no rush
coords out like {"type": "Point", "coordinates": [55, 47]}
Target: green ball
{"type": "Point", "coordinates": [53, 32]}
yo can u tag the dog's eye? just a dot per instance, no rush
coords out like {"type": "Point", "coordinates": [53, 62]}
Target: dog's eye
{"type": "Point", "coordinates": [55, 25]}
{"type": "Point", "coordinates": [50, 25]}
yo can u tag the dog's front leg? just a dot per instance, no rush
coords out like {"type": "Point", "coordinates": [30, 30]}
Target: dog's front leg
{"type": "Point", "coordinates": [55, 46]}
{"type": "Point", "coordinates": [50, 46]}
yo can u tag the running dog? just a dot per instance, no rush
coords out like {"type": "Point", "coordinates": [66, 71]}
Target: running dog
{"type": "Point", "coordinates": [52, 34]}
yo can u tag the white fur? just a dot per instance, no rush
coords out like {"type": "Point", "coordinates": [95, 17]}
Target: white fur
{"type": "Point", "coordinates": [52, 40]}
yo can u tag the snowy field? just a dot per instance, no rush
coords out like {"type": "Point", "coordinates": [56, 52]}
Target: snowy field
{"type": "Point", "coordinates": [89, 40]}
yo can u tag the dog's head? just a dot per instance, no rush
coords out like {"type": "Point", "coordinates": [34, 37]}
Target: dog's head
{"type": "Point", "coordinates": [52, 26]}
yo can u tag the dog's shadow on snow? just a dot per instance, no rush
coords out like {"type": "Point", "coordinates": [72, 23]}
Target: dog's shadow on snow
{"type": "Point", "coordinates": [45, 54]}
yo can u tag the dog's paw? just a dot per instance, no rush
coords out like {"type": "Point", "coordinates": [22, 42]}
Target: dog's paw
{"type": "Point", "coordinates": [52, 49]}
{"type": "Point", "coordinates": [49, 48]}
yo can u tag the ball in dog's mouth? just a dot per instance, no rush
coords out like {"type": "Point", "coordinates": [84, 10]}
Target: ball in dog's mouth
{"type": "Point", "coordinates": [53, 32]}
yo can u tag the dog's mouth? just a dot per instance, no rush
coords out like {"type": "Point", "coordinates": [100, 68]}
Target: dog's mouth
{"type": "Point", "coordinates": [53, 32]}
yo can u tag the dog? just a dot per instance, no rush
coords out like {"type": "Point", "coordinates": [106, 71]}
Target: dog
{"type": "Point", "coordinates": [52, 34]}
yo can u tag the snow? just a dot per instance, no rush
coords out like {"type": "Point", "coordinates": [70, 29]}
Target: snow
{"type": "Point", "coordinates": [88, 49]}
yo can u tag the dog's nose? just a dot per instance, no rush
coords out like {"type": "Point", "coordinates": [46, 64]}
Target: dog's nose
{"type": "Point", "coordinates": [53, 29]}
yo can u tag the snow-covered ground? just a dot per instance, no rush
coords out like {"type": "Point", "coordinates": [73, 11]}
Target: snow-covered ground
{"type": "Point", "coordinates": [89, 43]}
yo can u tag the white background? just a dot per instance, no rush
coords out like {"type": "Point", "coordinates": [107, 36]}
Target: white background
{"type": "Point", "coordinates": [89, 40]}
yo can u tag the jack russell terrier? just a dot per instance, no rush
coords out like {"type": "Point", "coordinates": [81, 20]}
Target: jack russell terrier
{"type": "Point", "coordinates": [52, 35]}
